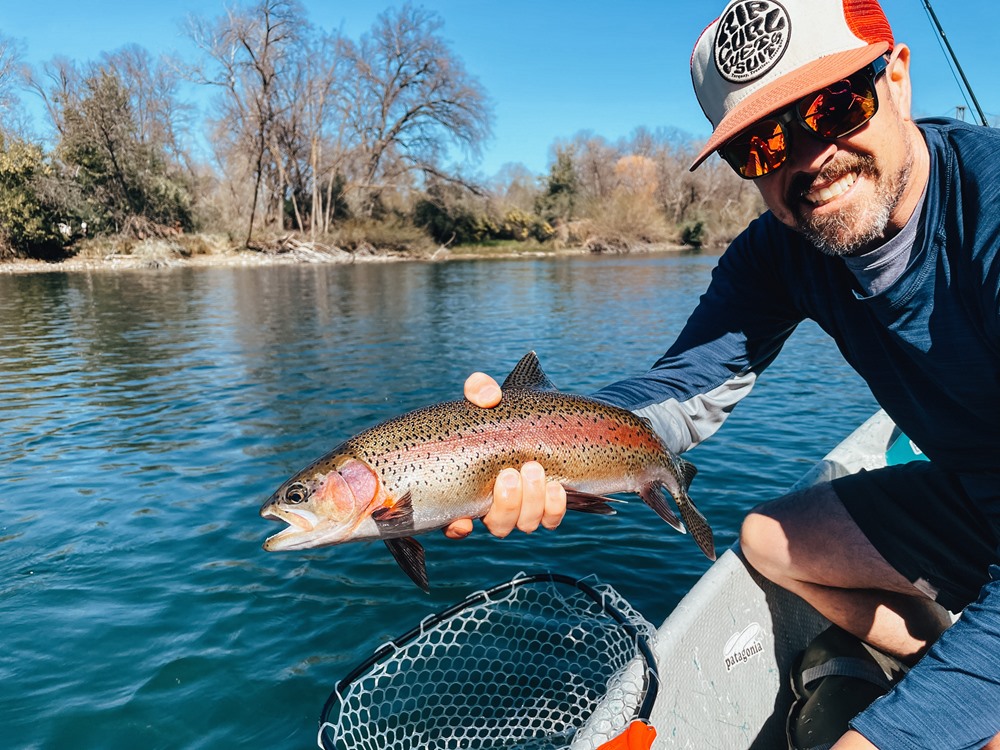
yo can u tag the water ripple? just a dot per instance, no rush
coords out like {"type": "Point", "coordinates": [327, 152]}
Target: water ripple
{"type": "Point", "coordinates": [146, 416]}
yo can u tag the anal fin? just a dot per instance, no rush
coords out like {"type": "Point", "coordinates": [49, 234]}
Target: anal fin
{"type": "Point", "coordinates": [409, 555]}
{"type": "Point", "coordinates": [653, 495]}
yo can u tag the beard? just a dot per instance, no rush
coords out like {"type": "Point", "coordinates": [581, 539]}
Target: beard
{"type": "Point", "coordinates": [854, 229]}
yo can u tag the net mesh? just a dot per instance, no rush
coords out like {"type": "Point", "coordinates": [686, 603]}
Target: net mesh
{"type": "Point", "coordinates": [541, 662]}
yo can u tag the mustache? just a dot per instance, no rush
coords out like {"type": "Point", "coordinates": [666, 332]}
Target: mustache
{"type": "Point", "coordinates": [856, 163]}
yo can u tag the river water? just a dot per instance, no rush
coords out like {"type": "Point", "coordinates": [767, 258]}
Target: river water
{"type": "Point", "coordinates": [146, 415]}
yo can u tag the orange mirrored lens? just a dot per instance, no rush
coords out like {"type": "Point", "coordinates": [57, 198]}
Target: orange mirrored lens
{"type": "Point", "coordinates": [758, 150]}
{"type": "Point", "coordinates": [839, 108]}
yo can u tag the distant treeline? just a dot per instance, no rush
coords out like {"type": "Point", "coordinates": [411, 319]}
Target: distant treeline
{"type": "Point", "coordinates": [338, 140]}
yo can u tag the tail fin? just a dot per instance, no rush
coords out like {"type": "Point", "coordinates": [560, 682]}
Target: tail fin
{"type": "Point", "coordinates": [656, 498]}
{"type": "Point", "coordinates": [698, 525]}
{"type": "Point", "coordinates": [693, 518]}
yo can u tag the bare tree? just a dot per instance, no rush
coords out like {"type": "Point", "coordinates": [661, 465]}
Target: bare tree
{"type": "Point", "coordinates": [515, 186]}
{"type": "Point", "coordinates": [713, 197]}
{"type": "Point", "coordinates": [152, 85]}
{"type": "Point", "coordinates": [58, 86]}
{"type": "Point", "coordinates": [595, 161]}
{"type": "Point", "coordinates": [411, 99]}
{"type": "Point", "coordinates": [309, 131]}
{"type": "Point", "coordinates": [325, 114]}
{"type": "Point", "coordinates": [249, 51]}
{"type": "Point", "coordinates": [11, 119]}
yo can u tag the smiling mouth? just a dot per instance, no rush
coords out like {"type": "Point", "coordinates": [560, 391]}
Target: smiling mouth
{"type": "Point", "coordinates": [830, 191]}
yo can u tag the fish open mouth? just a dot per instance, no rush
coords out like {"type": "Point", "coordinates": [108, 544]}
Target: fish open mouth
{"type": "Point", "coordinates": [299, 521]}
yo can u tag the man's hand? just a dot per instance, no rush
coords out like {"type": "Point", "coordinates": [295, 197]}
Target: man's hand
{"type": "Point", "coordinates": [521, 499]}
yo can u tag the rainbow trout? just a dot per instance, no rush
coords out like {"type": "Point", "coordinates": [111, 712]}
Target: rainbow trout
{"type": "Point", "coordinates": [426, 468]}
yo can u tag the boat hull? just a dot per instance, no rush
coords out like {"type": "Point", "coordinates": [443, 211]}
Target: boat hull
{"type": "Point", "coordinates": [725, 652]}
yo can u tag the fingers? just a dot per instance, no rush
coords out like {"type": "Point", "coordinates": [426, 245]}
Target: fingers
{"type": "Point", "coordinates": [458, 529]}
{"type": "Point", "coordinates": [525, 500]}
{"type": "Point", "coordinates": [522, 500]}
{"type": "Point", "coordinates": [503, 514]}
{"type": "Point", "coordinates": [532, 497]}
{"type": "Point", "coordinates": [482, 390]}
{"type": "Point", "coordinates": [555, 505]}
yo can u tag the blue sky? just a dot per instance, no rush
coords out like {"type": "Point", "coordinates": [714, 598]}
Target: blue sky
{"type": "Point", "coordinates": [553, 68]}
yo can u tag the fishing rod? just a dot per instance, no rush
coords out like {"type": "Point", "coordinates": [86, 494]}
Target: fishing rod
{"type": "Point", "coordinates": [934, 19]}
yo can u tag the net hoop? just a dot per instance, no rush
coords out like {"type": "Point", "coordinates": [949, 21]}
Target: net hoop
{"type": "Point", "coordinates": [541, 661]}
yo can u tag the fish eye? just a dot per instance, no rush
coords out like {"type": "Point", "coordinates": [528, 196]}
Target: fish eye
{"type": "Point", "coordinates": [296, 493]}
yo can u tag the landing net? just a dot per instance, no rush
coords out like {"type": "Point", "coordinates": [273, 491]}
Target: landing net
{"type": "Point", "coordinates": [538, 663]}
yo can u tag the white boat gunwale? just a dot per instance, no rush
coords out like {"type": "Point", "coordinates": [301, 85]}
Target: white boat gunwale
{"type": "Point", "coordinates": [725, 652]}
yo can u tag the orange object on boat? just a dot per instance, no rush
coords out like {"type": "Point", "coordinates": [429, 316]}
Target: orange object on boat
{"type": "Point", "coordinates": [638, 736]}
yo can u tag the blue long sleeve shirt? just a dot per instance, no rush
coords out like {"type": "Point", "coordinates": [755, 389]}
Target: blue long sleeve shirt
{"type": "Point", "coordinates": [928, 346]}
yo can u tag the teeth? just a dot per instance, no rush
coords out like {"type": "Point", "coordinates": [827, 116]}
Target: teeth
{"type": "Point", "coordinates": [831, 191]}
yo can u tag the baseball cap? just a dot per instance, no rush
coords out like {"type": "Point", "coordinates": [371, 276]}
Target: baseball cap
{"type": "Point", "coordinates": [761, 56]}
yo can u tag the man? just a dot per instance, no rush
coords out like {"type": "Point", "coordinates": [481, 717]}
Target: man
{"type": "Point", "coordinates": [887, 233]}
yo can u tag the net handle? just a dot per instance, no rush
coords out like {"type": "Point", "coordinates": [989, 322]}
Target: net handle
{"type": "Point", "coordinates": [652, 677]}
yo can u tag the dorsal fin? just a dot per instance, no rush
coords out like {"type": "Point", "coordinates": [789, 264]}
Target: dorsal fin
{"type": "Point", "coordinates": [528, 374]}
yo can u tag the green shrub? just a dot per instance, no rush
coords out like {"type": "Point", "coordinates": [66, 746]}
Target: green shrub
{"type": "Point", "coordinates": [29, 223]}
{"type": "Point", "coordinates": [449, 224]}
{"type": "Point", "coordinates": [693, 234]}
{"type": "Point", "coordinates": [520, 225]}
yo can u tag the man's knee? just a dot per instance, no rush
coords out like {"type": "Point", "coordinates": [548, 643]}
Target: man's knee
{"type": "Point", "coordinates": [764, 544]}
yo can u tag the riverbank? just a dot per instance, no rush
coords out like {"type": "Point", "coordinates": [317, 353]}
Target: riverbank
{"type": "Point", "coordinates": [214, 252]}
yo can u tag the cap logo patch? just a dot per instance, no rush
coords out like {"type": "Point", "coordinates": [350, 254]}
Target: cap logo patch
{"type": "Point", "coordinates": [751, 37]}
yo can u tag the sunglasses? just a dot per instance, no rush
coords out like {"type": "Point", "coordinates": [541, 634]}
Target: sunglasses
{"type": "Point", "coordinates": [828, 114]}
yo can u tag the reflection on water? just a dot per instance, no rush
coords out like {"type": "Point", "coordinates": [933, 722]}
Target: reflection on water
{"type": "Point", "coordinates": [146, 415]}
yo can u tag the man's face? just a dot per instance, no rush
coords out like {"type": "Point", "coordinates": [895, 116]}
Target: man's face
{"type": "Point", "coordinates": [847, 196]}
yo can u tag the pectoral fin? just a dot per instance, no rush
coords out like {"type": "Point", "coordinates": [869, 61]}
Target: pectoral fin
{"type": "Point", "coordinates": [688, 471]}
{"type": "Point", "coordinates": [396, 517]}
{"type": "Point", "coordinates": [409, 555]}
{"type": "Point", "coordinates": [407, 551]}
